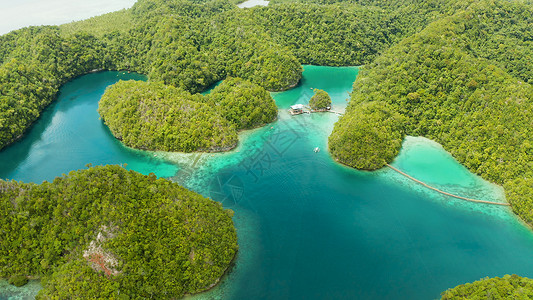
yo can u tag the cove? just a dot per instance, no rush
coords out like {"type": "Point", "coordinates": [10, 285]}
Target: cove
{"type": "Point", "coordinates": [69, 135]}
{"type": "Point", "coordinates": [19, 14]}
{"type": "Point", "coordinates": [308, 227]}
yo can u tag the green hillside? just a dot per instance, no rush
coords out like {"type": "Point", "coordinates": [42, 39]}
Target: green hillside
{"type": "Point", "coordinates": [152, 116]}
{"type": "Point", "coordinates": [457, 72]}
{"type": "Point", "coordinates": [452, 84]}
{"type": "Point", "coordinates": [192, 45]}
{"type": "Point", "coordinates": [105, 232]}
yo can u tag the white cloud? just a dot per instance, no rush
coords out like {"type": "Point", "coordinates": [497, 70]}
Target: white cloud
{"type": "Point", "coordinates": [22, 13]}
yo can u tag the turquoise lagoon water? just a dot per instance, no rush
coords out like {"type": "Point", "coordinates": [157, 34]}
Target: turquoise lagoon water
{"type": "Point", "coordinates": [70, 135]}
{"type": "Point", "coordinates": [308, 228]}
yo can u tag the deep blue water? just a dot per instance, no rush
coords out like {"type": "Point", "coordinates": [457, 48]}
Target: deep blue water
{"type": "Point", "coordinates": [308, 228]}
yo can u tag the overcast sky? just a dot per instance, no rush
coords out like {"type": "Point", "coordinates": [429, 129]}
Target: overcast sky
{"type": "Point", "coordinates": [15, 14]}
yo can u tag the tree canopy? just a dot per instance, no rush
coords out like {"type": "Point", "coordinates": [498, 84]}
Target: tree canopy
{"type": "Point", "coordinates": [445, 86]}
{"type": "Point", "coordinates": [368, 137]}
{"type": "Point", "coordinates": [105, 232]}
{"type": "Point", "coordinates": [320, 100]}
{"type": "Point", "coordinates": [458, 72]}
{"type": "Point", "coordinates": [155, 116]}
{"type": "Point", "coordinates": [193, 44]}
{"type": "Point", "coordinates": [243, 103]}
{"type": "Point", "coordinates": [508, 287]}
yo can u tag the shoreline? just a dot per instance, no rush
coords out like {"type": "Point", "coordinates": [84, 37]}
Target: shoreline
{"type": "Point", "coordinates": [445, 193]}
{"type": "Point", "coordinates": [225, 283]}
{"type": "Point", "coordinates": [411, 142]}
{"type": "Point", "coordinates": [219, 280]}
{"type": "Point", "coordinates": [54, 101]}
{"type": "Point", "coordinates": [252, 3]}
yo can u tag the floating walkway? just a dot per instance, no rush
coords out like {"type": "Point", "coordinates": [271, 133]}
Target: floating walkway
{"type": "Point", "coordinates": [336, 112]}
{"type": "Point", "coordinates": [444, 193]}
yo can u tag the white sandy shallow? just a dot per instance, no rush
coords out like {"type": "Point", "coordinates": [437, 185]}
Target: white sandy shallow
{"type": "Point", "coordinates": [252, 3]}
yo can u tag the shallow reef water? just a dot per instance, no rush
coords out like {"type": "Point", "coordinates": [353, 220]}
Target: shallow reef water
{"type": "Point", "coordinates": [308, 227]}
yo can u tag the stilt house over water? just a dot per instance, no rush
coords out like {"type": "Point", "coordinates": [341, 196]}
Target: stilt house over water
{"type": "Point", "coordinates": [296, 109]}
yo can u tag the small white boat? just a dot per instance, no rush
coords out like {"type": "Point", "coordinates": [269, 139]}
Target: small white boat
{"type": "Point", "coordinates": [317, 150]}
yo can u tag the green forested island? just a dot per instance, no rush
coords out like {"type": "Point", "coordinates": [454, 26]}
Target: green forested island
{"type": "Point", "coordinates": [154, 116]}
{"type": "Point", "coordinates": [508, 287]}
{"type": "Point", "coordinates": [244, 104]}
{"type": "Point", "coordinates": [457, 72]}
{"type": "Point", "coordinates": [459, 83]}
{"type": "Point", "coordinates": [192, 45]}
{"type": "Point", "coordinates": [108, 233]}
{"type": "Point", "coordinates": [320, 100]}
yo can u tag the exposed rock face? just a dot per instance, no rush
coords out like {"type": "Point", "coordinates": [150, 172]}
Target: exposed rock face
{"type": "Point", "coordinates": [98, 257]}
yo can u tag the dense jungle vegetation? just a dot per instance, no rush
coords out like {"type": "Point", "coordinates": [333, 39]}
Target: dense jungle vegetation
{"type": "Point", "coordinates": [108, 233]}
{"type": "Point", "coordinates": [458, 72]}
{"type": "Point", "coordinates": [320, 100]}
{"type": "Point", "coordinates": [192, 45]}
{"type": "Point", "coordinates": [243, 103]}
{"type": "Point", "coordinates": [508, 287]}
{"type": "Point", "coordinates": [154, 116]}
{"type": "Point", "coordinates": [464, 81]}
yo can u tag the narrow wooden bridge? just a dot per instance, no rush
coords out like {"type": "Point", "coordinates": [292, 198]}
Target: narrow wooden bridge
{"type": "Point", "coordinates": [445, 193]}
